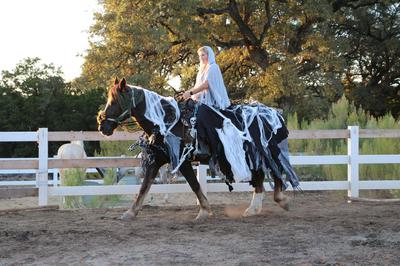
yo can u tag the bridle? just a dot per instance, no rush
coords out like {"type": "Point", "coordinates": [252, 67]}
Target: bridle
{"type": "Point", "coordinates": [120, 120]}
{"type": "Point", "coordinates": [125, 103]}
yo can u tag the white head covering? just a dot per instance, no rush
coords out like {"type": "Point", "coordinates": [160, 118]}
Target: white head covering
{"type": "Point", "coordinates": [216, 94]}
{"type": "Point", "coordinates": [211, 55]}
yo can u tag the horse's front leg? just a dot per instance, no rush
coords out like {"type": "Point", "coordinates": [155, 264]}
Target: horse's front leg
{"type": "Point", "coordinates": [205, 209]}
{"type": "Point", "coordinates": [258, 195]}
{"type": "Point", "coordinates": [279, 197]}
{"type": "Point", "coordinates": [150, 173]}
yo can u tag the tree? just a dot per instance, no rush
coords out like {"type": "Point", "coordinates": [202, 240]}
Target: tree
{"type": "Point", "coordinates": [35, 95]}
{"type": "Point", "coordinates": [282, 53]}
{"type": "Point", "coordinates": [372, 76]}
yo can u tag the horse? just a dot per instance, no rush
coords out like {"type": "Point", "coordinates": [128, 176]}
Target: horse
{"type": "Point", "coordinates": [126, 101]}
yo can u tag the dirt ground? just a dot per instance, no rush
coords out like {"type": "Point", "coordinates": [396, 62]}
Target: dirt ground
{"type": "Point", "coordinates": [320, 229]}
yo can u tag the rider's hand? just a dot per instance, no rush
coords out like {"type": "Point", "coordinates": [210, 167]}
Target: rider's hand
{"type": "Point", "coordinates": [186, 95]}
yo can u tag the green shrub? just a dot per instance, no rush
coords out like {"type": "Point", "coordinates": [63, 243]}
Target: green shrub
{"type": "Point", "coordinates": [111, 148]}
{"type": "Point", "coordinates": [110, 178]}
{"type": "Point", "coordinates": [72, 177]}
{"type": "Point", "coordinates": [117, 148]}
{"type": "Point", "coordinates": [341, 115]}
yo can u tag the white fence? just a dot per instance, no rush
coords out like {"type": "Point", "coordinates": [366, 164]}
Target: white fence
{"type": "Point", "coordinates": [43, 163]}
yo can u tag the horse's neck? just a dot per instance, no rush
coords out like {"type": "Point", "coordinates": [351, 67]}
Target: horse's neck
{"type": "Point", "coordinates": [139, 110]}
{"type": "Point", "coordinates": [146, 125]}
{"type": "Point", "coordinates": [138, 113]}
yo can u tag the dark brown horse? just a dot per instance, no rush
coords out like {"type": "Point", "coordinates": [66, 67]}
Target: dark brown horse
{"type": "Point", "coordinates": [125, 101]}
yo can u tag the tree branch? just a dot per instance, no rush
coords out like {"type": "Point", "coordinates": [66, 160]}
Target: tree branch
{"type": "Point", "coordinates": [296, 42]}
{"type": "Point", "coordinates": [267, 24]}
{"type": "Point", "coordinates": [243, 27]}
{"type": "Point", "coordinates": [205, 11]}
{"type": "Point", "coordinates": [228, 44]}
{"type": "Point", "coordinates": [176, 42]}
{"type": "Point", "coordinates": [253, 44]}
{"type": "Point", "coordinates": [165, 25]}
{"type": "Point", "coordinates": [246, 13]}
{"type": "Point", "coordinates": [338, 4]}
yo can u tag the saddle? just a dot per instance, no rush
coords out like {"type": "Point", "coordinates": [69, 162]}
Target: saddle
{"type": "Point", "coordinates": [202, 151]}
{"type": "Point", "coordinates": [188, 118]}
{"type": "Point", "coordinates": [188, 110]}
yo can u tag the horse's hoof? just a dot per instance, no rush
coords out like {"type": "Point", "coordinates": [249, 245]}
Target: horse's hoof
{"type": "Point", "coordinates": [251, 212]}
{"type": "Point", "coordinates": [203, 215]}
{"type": "Point", "coordinates": [127, 216]}
{"type": "Point", "coordinates": [283, 203]}
{"type": "Point", "coordinates": [248, 213]}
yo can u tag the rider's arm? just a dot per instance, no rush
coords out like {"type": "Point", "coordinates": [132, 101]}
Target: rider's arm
{"type": "Point", "coordinates": [201, 87]}
{"type": "Point", "coordinates": [197, 89]}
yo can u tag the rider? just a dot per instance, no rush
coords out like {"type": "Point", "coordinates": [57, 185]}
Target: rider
{"type": "Point", "coordinates": [209, 88]}
{"type": "Point", "coordinates": [209, 91]}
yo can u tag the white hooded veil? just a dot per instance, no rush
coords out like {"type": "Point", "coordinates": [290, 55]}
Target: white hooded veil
{"type": "Point", "coordinates": [216, 94]}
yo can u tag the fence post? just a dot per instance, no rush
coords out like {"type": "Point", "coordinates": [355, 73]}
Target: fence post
{"type": "Point", "coordinates": [353, 165]}
{"type": "Point", "coordinates": [55, 173]}
{"type": "Point", "coordinates": [202, 178]}
{"type": "Point", "coordinates": [42, 173]}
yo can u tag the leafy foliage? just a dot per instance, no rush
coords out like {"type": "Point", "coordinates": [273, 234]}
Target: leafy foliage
{"type": "Point", "coordinates": [372, 76]}
{"type": "Point", "coordinates": [278, 52]}
{"type": "Point", "coordinates": [300, 56]}
{"type": "Point", "coordinates": [341, 115]}
{"type": "Point", "coordinates": [35, 95]}
{"type": "Point", "coordinates": [73, 177]}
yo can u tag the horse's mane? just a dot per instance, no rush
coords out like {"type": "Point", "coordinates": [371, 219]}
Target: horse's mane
{"type": "Point", "coordinates": [112, 94]}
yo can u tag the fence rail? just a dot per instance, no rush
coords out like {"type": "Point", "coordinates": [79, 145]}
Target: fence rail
{"type": "Point", "coordinates": [43, 164]}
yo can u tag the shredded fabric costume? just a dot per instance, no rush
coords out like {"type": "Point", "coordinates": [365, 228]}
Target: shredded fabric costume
{"type": "Point", "coordinates": [239, 140]}
{"type": "Point", "coordinates": [155, 111]}
{"type": "Point", "coordinates": [163, 112]}
{"type": "Point", "coordinates": [262, 142]}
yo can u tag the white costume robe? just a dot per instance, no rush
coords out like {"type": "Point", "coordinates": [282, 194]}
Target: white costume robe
{"type": "Point", "coordinates": [215, 95]}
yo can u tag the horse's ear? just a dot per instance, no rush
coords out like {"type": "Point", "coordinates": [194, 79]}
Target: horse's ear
{"type": "Point", "coordinates": [122, 84]}
{"type": "Point", "coordinates": [116, 81]}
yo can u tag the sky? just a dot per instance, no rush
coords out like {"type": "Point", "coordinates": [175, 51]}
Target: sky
{"type": "Point", "coordinates": [54, 30]}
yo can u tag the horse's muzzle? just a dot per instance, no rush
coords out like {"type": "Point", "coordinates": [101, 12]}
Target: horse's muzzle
{"type": "Point", "coordinates": [106, 130]}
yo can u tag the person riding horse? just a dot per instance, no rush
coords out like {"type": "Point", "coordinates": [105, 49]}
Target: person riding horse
{"type": "Point", "coordinates": [209, 88]}
{"type": "Point", "coordinates": [257, 132]}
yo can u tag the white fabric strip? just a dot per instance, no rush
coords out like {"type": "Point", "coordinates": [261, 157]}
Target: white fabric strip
{"type": "Point", "coordinates": [232, 138]}
{"type": "Point", "coordinates": [155, 113]}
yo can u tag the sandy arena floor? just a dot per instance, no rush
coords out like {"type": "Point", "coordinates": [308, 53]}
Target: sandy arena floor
{"type": "Point", "coordinates": [320, 228]}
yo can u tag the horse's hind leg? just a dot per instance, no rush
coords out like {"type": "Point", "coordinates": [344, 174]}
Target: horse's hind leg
{"type": "Point", "coordinates": [258, 195]}
{"type": "Point", "coordinates": [150, 173]}
{"type": "Point", "coordinates": [205, 209]}
{"type": "Point", "coordinates": [279, 197]}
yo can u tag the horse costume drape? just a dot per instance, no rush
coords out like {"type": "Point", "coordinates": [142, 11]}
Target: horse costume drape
{"type": "Point", "coordinates": [239, 139]}
{"type": "Point", "coordinates": [247, 142]}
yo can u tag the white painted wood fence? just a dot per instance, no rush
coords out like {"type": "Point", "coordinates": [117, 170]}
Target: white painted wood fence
{"type": "Point", "coordinates": [43, 163]}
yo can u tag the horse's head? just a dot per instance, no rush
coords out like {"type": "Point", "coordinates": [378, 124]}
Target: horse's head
{"type": "Point", "coordinates": [117, 110]}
